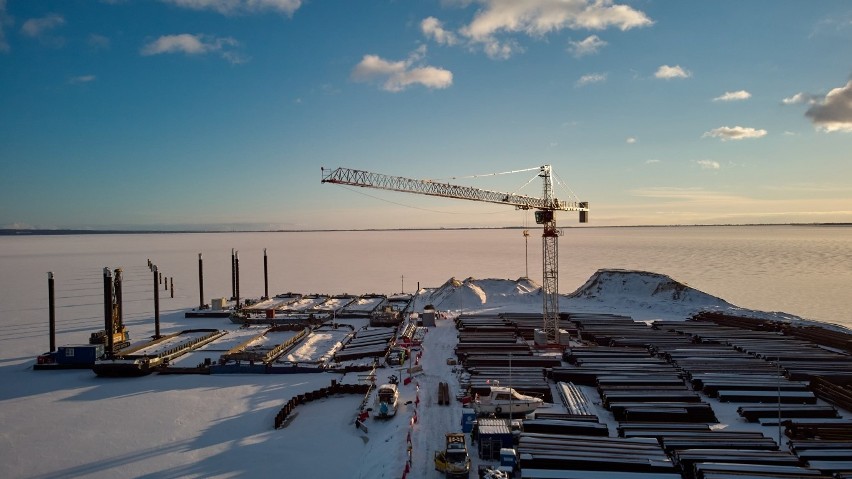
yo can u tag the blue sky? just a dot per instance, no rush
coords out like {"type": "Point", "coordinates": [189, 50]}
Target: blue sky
{"type": "Point", "coordinates": [220, 113]}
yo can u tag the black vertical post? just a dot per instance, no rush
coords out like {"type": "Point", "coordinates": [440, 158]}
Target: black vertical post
{"type": "Point", "coordinates": [233, 274]}
{"type": "Point", "coordinates": [51, 299]}
{"type": "Point", "coordinates": [172, 286]}
{"type": "Point", "coordinates": [265, 276]}
{"type": "Point", "coordinates": [200, 282]}
{"type": "Point", "coordinates": [108, 324]}
{"type": "Point", "coordinates": [156, 306]}
{"type": "Point", "coordinates": [237, 278]}
{"type": "Point", "coordinates": [119, 303]}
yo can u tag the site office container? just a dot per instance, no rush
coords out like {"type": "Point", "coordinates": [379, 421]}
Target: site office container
{"type": "Point", "coordinates": [79, 353]}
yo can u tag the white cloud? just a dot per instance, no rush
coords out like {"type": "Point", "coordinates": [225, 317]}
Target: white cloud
{"type": "Point", "coordinates": [434, 29]}
{"type": "Point", "coordinates": [234, 7]}
{"type": "Point", "coordinates": [726, 133]}
{"type": "Point", "coordinates": [501, 50]}
{"type": "Point", "coordinates": [399, 75]}
{"type": "Point", "coordinates": [537, 18]}
{"type": "Point", "coordinates": [82, 79]}
{"type": "Point", "coordinates": [652, 162]}
{"type": "Point", "coordinates": [834, 112]}
{"type": "Point", "coordinates": [709, 164]}
{"type": "Point", "coordinates": [36, 27]}
{"type": "Point", "coordinates": [588, 46]}
{"type": "Point", "coordinates": [194, 45]}
{"type": "Point", "coordinates": [631, 140]}
{"type": "Point", "coordinates": [667, 72]}
{"type": "Point", "coordinates": [590, 78]}
{"type": "Point", "coordinates": [798, 98]}
{"type": "Point", "coordinates": [733, 96]}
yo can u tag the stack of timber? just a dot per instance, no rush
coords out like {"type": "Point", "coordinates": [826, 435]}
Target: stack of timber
{"type": "Point", "coordinates": [603, 328]}
{"type": "Point", "coordinates": [527, 323]}
{"type": "Point", "coordinates": [643, 457]}
{"type": "Point", "coordinates": [815, 429]}
{"type": "Point", "coordinates": [366, 343]}
{"type": "Point", "coordinates": [834, 390]}
{"type": "Point", "coordinates": [725, 470]}
{"type": "Point", "coordinates": [443, 393]}
{"type": "Point", "coordinates": [836, 339]}
{"type": "Point", "coordinates": [575, 402]}
{"type": "Point", "coordinates": [659, 429]}
{"type": "Point", "coordinates": [565, 427]}
{"type": "Point", "coordinates": [634, 385]}
{"type": "Point", "coordinates": [490, 351]}
{"type": "Point", "coordinates": [828, 456]}
{"type": "Point", "coordinates": [754, 413]}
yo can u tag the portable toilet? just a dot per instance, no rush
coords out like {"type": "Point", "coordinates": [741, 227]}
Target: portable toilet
{"type": "Point", "coordinates": [467, 419]}
{"type": "Point", "coordinates": [428, 316]}
{"type": "Point", "coordinates": [508, 459]}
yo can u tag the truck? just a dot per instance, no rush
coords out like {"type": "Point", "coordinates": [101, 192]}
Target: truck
{"type": "Point", "coordinates": [453, 461]}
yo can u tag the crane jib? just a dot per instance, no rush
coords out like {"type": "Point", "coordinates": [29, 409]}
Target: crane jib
{"type": "Point", "coordinates": [346, 176]}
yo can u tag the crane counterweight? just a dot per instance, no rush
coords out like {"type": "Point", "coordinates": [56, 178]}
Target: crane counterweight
{"type": "Point", "coordinates": [544, 215]}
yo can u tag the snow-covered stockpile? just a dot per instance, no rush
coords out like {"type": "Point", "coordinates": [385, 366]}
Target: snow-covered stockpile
{"type": "Point", "coordinates": [640, 294]}
{"type": "Point", "coordinates": [482, 295]}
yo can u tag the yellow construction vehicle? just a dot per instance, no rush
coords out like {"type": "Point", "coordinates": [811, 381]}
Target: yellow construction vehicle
{"type": "Point", "coordinates": [454, 460]}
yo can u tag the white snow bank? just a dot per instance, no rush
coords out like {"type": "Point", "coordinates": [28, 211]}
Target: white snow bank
{"type": "Point", "coordinates": [641, 295]}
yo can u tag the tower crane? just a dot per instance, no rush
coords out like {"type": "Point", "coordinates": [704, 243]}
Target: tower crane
{"type": "Point", "coordinates": [544, 215]}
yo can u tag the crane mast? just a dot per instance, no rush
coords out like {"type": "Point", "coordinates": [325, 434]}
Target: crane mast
{"type": "Point", "coordinates": [544, 215]}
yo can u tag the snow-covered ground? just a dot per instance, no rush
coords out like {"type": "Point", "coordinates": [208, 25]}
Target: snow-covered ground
{"type": "Point", "coordinates": [59, 424]}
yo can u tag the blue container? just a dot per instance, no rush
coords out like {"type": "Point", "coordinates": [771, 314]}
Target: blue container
{"type": "Point", "coordinates": [79, 354]}
{"type": "Point", "coordinates": [508, 457]}
{"type": "Point", "coordinates": [467, 419]}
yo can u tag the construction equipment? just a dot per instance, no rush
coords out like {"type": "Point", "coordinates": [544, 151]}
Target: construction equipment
{"type": "Point", "coordinates": [114, 336]}
{"type": "Point", "coordinates": [453, 461]}
{"type": "Point", "coordinates": [544, 215]}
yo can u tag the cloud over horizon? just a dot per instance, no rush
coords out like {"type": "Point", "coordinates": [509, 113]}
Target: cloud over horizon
{"type": "Point", "coordinates": [726, 133]}
{"type": "Point", "coordinates": [434, 29]}
{"type": "Point", "coordinates": [588, 46]}
{"type": "Point", "coordinates": [666, 72]}
{"type": "Point", "coordinates": [496, 19]}
{"type": "Point", "coordinates": [733, 96]}
{"type": "Point", "coordinates": [190, 44]}
{"type": "Point", "coordinates": [834, 112]}
{"type": "Point", "coordinates": [396, 76]}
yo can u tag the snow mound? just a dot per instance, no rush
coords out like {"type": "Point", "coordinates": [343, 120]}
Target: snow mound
{"type": "Point", "coordinates": [471, 293]}
{"type": "Point", "coordinates": [645, 295]}
{"type": "Point", "coordinates": [606, 284]}
{"type": "Point", "coordinates": [642, 295]}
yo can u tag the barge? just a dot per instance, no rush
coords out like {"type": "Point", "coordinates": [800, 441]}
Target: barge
{"type": "Point", "coordinates": [146, 358]}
